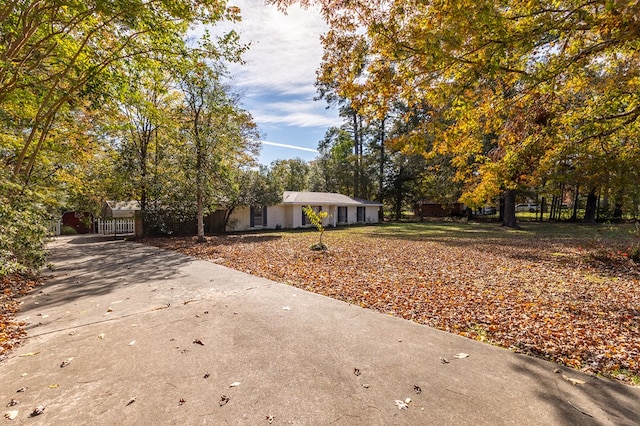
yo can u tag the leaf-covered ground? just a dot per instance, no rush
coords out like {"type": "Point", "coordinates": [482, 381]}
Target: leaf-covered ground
{"type": "Point", "coordinates": [566, 293]}
{"type": "Point", "coordinates": [11, 288]}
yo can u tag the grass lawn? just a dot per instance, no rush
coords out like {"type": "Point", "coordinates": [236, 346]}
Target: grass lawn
{"type": "Point", "coordinates": [565, 292]}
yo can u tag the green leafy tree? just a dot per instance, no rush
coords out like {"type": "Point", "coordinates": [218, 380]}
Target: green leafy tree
{"type": "Point", "coordinates": [55, 53]}
{"type": "Point", "coordinates": [219, 135]}
{"type": "Point", "coordinates": [539, 80]}
{"type": "Point", "coordinates": [292, 174]}
{"type": "Point", "coordinates": [249, 187]}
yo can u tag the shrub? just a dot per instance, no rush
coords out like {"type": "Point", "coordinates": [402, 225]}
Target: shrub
{"type": "Point", "coordinates": [68, 230]}
{"type": "Point", "coordinates": [23, 233]}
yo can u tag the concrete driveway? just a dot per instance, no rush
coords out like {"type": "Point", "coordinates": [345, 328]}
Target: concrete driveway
{"type": "Point", "coordinates": [127, 334]}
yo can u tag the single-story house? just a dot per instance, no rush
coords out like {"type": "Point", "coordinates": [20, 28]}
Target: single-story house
{"type": "Point", "coordinates": [118, 209]}
{"type": "Point", "coordinates": [342, 209]}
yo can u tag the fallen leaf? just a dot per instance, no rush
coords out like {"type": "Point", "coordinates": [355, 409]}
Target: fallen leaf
{"type": "Point", "coordinates": [224, 399]}
{"type": "Point", "coordinates": [53, 386]}
{"type": "Point", "coordinates": [37, 411]}
{"type": "Point", "coordinates": [11, 414]}
{"type": "Point", "coordinates": [234, 384]}
{"type": "Point", "coordinates": [366, 385]}
{"type": "Point", "coordinates": [444, 360]}
{"type": "Point", "coordinates": [22, 389]}
{"type": "Point", "coordinates": [182, 401]}
{"type": "Point", "coordinates": [356, 371]}
{"type": "Point", "coordinates": [401, 405]}
{"type": "Point", "coordinates": [66, 362]}
{"type": "Point", "coordinates": [461, 355]}
{"type": "Point", "coordinates": [573, 381]}
{"type": "Point", "coordinates": [206, 375]}
{"type": "Point", "coordinates": [30, 354]}
{"type": "Point", "coordinates": [109, 309]}
{"type": "Point", "coordinates": [13, 402]}
{"type": "Point", "coordinates": [269, 419]}
{"type": "Point", "coordinates": [198, 342]}
{"type": "Point", "coordinates": [101, 336]}
{"type": "Point", "coordinates": [417, 388]}
{"type": "Point", "coordinates": [131, 401]}
{"type": "Point", "coordinates": [407, 400]}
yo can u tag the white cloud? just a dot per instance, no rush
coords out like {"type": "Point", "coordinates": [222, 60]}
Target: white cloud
{"type": "Point", "coordinates": [297, 112]}
{"type": "Point", "coordinates": [284, 145]}
{"type": "Point", "coordinates": [277, 81]}
{"type": "Point", "coordinates": [285, 48]}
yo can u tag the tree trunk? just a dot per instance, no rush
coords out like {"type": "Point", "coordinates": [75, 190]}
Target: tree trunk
{"type": "Point", "coordinates": [574, 217]}
{"type": "Point", "coordinates": [591, 207]}
{"type": "Point", "coordinates": [356, 153]}
{"type": "Point", "coordinates": [199, 214]}
{"type": "Point", "coordinates": [509, 218]}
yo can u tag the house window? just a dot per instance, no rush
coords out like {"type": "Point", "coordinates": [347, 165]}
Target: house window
{"type": "Point", "coordinates": [342, 214]}
{"type": "Point", "coordinates": [305, 219]}
{"type": "Point", "coordinates": [360, 214]}
{"type": "Point", "coordinates": [258, 216]}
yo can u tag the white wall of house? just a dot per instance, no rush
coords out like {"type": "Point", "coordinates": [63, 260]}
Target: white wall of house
{"type": "Point", "coordinates": [239, 220]}
{"type": "Point", "coordinates": [276, 215]}
{"type": "Point", "coordinates": [371, 214]}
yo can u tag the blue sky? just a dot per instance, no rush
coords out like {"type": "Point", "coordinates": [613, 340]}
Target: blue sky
{"type": "Point", "coordinates": [277, 82]}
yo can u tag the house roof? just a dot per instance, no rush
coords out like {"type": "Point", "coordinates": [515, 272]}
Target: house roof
{"type": "Point", "coordinates": [123, 205]}
{"type": "Point", "coordinates": [315, 198]}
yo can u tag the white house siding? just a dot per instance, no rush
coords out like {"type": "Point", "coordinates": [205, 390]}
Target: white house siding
{"type": "Point", "coordinates": [276, 215]}
{"type": "Point", "coordinates": [240, 219]}
{"type": "Point", "coordinates": [371, 214]}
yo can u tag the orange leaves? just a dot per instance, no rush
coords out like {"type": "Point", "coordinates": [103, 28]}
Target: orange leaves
{"type": "Point", "coordinates": [513, 292]}
{"type": "Point", "coordinates": [12, 287]}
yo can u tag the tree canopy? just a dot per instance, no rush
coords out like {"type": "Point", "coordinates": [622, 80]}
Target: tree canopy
{"type": "Point", "coordinates": [519, 90]}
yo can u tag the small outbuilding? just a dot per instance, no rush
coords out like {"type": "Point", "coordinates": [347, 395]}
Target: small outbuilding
{"type": "Point", "coordinates": [342, 209]}
{"type": "Point", "coordinates": [432, 209]}
{"type": "Point", "coordinates": [120, 209]}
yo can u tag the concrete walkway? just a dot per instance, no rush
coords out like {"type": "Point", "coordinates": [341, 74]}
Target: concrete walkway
{"type": "Point", "coordinates": [126, 334]}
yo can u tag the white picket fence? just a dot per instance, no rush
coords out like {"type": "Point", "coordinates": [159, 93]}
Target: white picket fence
{"type": "Point", "coordinates": [53, 227]}
{"type": "Point", "coordinates": [117, 226]}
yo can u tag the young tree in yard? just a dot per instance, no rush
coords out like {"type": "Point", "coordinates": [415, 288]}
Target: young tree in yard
{"type": "Point", "coordinates": [316, 219]}
{"type": "Point", "coordinates": [219, 136]}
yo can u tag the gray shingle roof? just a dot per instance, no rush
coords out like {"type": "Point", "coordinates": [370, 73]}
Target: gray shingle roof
{"type": "Point", "coordinates": [317, 198]}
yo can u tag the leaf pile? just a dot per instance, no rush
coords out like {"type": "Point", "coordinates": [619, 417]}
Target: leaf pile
{"type": "Point", "coordinates": [12, 287]}
{"type": "Point", "coordinates": [543, 296]}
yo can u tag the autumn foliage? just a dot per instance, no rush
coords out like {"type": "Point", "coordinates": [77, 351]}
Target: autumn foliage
{"type": "Point", "coordinates": [11, 288]}
{"type": "Point", "coordinates": [564, 296]}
